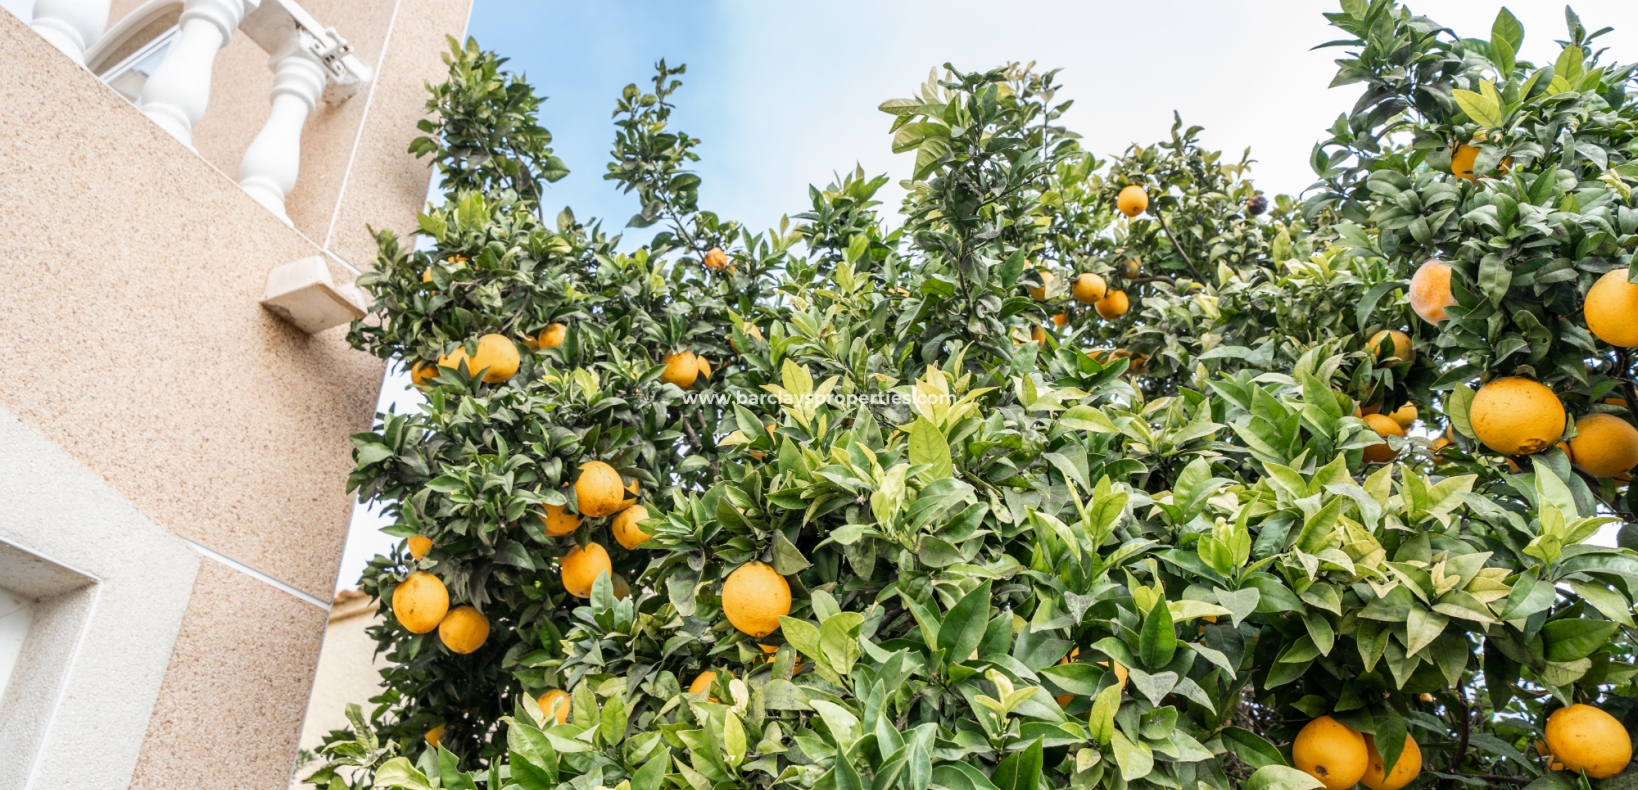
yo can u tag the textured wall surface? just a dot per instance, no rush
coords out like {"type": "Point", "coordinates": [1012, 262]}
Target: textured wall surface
{"type": "Point", "coordinates": [348, 670]}
{"type": "Point", "coordinates": [230, 711]}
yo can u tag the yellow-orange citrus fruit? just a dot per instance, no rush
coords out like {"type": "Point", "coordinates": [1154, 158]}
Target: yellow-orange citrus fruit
{"type": "Point", "coordinates": [497, 357]}
{"type": "Point", "coordinates": [1089, 288]}
{"type": "Point", "coordinates": [681, 368]}
{"type": "Point", "coordinates": [749, 330]}
{"type": "Point", "coordinates": [702, 681]}
{"type": "Point", "coordinates": [420, 602]}
{"type": "Point", "coordinates": [1396, 352]}
{"type": "Point", "coordinates": [1404, 415]}
{"type": "Point", "coordinates": [625, 527]}
{"type": "Point", "coordinates": [1605, 445]}
{"type": "Point", "coordinates": [716, 259]}
{"type": "Point", "coordinates": [1037, 335]}
{"type": "Point", "coordinates": [1120, 671]}
{"type": "Point", "coordinates": [1063, 701]}
{"type": "Point", "coordinates": [426, 275]}
{"type": "Point", "coordinates": [552, 336]}
{"type": "Point", "coordinates": [419, 545]}
{"type": "Point", "coordinates": [1381, 453]}
{"type": "Point", "coordinates": [559, 522]}
{"type": "Point", "coordinates": [1113, 305]}
{"type": "Point", "coordinates": [1060, 319]}
{"type": "Point", "coordinates": [754, 597]}
{"type": "Point", "coordinates": [1329, 751]}
{"type": "Point", "coordinates": [581, 567]}
{"type": "Point", "coordinates": [555, 704]}
{"type": "Point", "coordinates": [1130, 268]}
{"type": "Point", "coordinates": [599, 490]}
{"type": "Point", "coordinates": [1132, 200]}
{"type": "Point", "coordinates": [1048, 279]}
{"type": "Point", "coordinates": [434, 736]}
{"type": "Point", "coordinates": [1516, 416]}
{"type": "Point", "coordinates": [703, 366]}
{"type": "Point", "coordinates": [1405, 770]}
{"type": "Point", "coordinates": [1430, 291]}
{"type": "Point", "coordinates": [463, 630]}
{"type": "Point", "coordinates": [422, 372]}
{"type": "Point", "coordinates": [1585, 738]}
{"type": "Point", "coordinates": [1461, 162]}
{"type": "Point", "coordinates": [1611, 309]}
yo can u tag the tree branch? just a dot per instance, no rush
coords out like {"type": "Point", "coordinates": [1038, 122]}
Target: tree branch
{"type": "Point", "coordinates": [1179, 248]}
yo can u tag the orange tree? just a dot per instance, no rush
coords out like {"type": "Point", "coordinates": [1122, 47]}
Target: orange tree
{"type": "Point", "coordinates": [950, 548]}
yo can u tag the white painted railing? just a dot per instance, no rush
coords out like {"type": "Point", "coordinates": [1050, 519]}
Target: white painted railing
{"type": "Point", "coordinates": [169, 77]}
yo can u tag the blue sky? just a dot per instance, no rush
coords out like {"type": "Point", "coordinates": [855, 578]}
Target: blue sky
{"type": "Point", "coordinates": [784, 93]}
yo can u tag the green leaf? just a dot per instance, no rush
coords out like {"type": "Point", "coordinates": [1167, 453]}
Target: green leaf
{"type": "Point", "coordinates": [1252, 749]}
{"type": "Point", "coordinates": [733, 739]}
{"type": "Point", "coordinates": [1101, 722]}
{"type": "Point", "coordinates": [962, 629]}
{"type": "Point", "coordinates": [928, 446]}
{"type": "Point", "coordinates": [1568, 640]}
{"type": "Point", "coordinates": [400, 773]}
{"type": "Point", "coordinates": [1157, 643]}
{"type": "Point", "coordinates": [1421, 628]}
{"type": "Point", "coordinates": [847, 777]}
{"type": "Point", "coordinates": [1457, 407]}
{"type": "Point", "coordinates": [1280, 777]}
{"type": "Point", "coordinates": [1021, 771]}
{"type": "Point", "coordinates": [1136, 760]}
{"type": "Point", "coordinates": [1608, 602]}
{"type": "Point", "coordinates": [787, 558]}
{"type": "Point", "coordinates": [1484, 110]}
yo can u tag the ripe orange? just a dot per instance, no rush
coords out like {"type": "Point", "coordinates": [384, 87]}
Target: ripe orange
{"type": "Point", "coordinates": [1430, 291]}
{"type": "Point", "coordinates": [754, 597]}
{"type": "Point", "coordinates": [703, 366]}
{"type": "Point", "coordinates": [1060, 319]}
{"type": "Point", "coordinates": [1583, 737]}
{"type": "Point", "coordinates": [1381, 453]}
{"type": "Point", "coordinates": [1396, 352]}
{"type": "Point", "coordinates": [749, 330]}
{"type": "Point", "coordinates": [559, 522]}
{"type": "Point", "coordinates": [1404, 415]}
{"type": "Point", "coordinates": [703, 681]}
{"type": "Point", "coordinates": [552, 336]}
{"type": "Point", "coordinates": [420, 602]}
{"type": "Point", "coordinates": [423, 372]}
{"type": "Point", "coordinates": [1037, 334]}
{"type": "Point", "coordinates": [625, 529]}
{"type": "Point", "coordinates": [555, 704]}
{"type": "Point", "coordinates": [1605, 445]}
{"type": "Point", "coordinates": [1461, 162]}
{"type": "Point", "coordinates": [1048, 279]}
{"type": "Point", "coordinates": [716, 259]}
{"type": "Point", "coordinates": [1611, 309]}
{"type": "Point", "coordinates": [1089, 288]}
{"type": "Point", "coordinates": [434, 736]}
{"type": "Point", "coordinates": [1516, 416]}
{"type": "Point", "coordinates": [681, 368]}
{"type": "Point", "coordinates": [419, 545]}
{"type": "Point", "coordinates": [463, 630]}
{"type": "Point", "coordinates": [1132, 200]}
{"type": "Point", "coordinates": [599, 490]}
{"type": "Point", "coordinates": [581, 567]}
{"type": "Point", "coordinates": [1329, 751]}
{"type": "Point", "coordinates": [1113, 305]}
{"type": "Point", "coordinates": [1404, 771]}
{"type": "Point", "coordinates": [497, 357]}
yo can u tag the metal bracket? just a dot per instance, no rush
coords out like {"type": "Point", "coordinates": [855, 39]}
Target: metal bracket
{"type": "Point", "coordinates": [274, 21]}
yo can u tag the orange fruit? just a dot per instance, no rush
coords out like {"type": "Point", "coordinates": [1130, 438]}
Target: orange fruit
{"type": "Point", "coordinates": [555, 704]}
{"type": "Point", "coordinates": [559, 521]}
{"type": "Point", "coordinates": [599, 490]}
{"type": "Point", "coordinates": [1381, 453]}
{"type": "Point", "coordinates": [716, 259]}
{"type": "Point", "coordinates": [422, 373]}
{"type": "Point", "coordinates": [1396, 352]}
{"type": "Point", "coordinates": [1611, 309]}
{"type": "Point", "coordinates": [552, 336]}
{"type": "Point", "coordinates": [434, 736]}
{"type": "Point", "coordinates": [1037, 334]}
{"type": "Point", "coordinates": [1404, 415]}
{"type": "Point", "coordinates": [1060, 319]}
{"type": "Point", "coordinates": [581, 567]}
{"type": "Point", "coordinates": [426, 275]}
{"type": "Point", "coordinates": [1585, 738]}
{"type": "Point", "coordinates": [1131, 268]}
{"type": "Point", "coordinates": [1329, 751]}
{"type": "Point", "coordinates": [1461, 162]}
{"type": "Point", "coordinates": [703, 367]}
{"type": "Point", "coordinates": [496, 357]}
{"type": "Point", "coordinates": [1516, 416]}
{"type": "Point", "coordinates": [681, 368]}
{"type": "Point", "coordinates": [1430, 291]}
{"type": "Point", "coordinates": [1132, 200]}
{"type": "Point", "coordinates": [463, 630]}
{"type": "Point", "coordinates": [1405, 770]}
{"type": "Point", "coordinates": [754, 597]}
{"type": "Point", "coordinates": [1048, 279]}
{"type": "Point", "coordinates": [625, 529]}
{"type": "Point", "coordinates": [1605, 445]}
{"type": "Point", "coordinates": [703, 681]}
{"type": "Point", "coordinates": [419, 545]}
{"type": "Point", "coordinates": [1088, 288]}
{"type": "Point", "coordinates": [420, 602]}
{"type": "Point", "coordinates": [1113, 305]}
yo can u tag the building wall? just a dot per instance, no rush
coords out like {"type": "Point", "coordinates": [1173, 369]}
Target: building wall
{"type": "Point", "coordinates": [349, 671]}
{"type": "Point", "coordinates": [212, 435]}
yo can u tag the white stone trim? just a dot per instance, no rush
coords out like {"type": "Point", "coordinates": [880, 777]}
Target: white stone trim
{"type": "Point", "coordinates": [257, 575]}
{"type": "Point", "coordinates": [111, 588]}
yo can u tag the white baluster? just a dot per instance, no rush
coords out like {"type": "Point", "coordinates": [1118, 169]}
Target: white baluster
{"type": "Point", "coordinates": [268, 171]}
{"type": "Point", "coordinates": [177, 92]}
{"type": "Point", "coordinates": [71, 25]}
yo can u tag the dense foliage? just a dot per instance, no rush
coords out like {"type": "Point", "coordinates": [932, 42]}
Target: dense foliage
{"type": "Point", "coordinates": [1031, 540]}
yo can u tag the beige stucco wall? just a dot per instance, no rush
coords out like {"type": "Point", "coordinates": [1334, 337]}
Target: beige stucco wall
{"type": "Point", "coordinates": [129, 295]}
{"type": "Point", "coordinates": [349, 671]}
